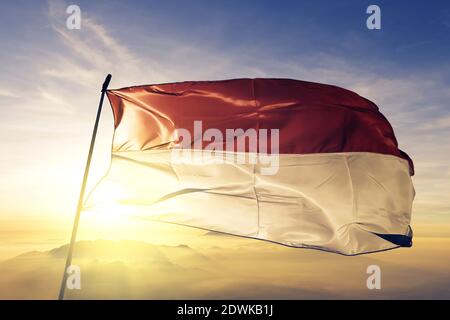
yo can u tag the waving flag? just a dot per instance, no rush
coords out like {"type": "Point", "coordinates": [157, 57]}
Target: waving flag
{"type": "Point", "coordinates": [292, 162]}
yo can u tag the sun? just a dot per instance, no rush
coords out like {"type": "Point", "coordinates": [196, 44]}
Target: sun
{"type": "Point", "coordinates": [108, 211]}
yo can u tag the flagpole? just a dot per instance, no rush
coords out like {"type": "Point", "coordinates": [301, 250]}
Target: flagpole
{"type": "Point", "coordinates": [83, 189]}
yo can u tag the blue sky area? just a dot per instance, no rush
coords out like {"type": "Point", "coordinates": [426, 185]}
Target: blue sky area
{"type": "Point", "coordinates": [50, 76]}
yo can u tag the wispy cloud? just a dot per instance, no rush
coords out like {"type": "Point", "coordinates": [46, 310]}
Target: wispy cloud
{"type": "Point", "coordinates": [439, 123]}
{"type": "Point", "coordinates": [8, 93]}
{"type": "Point", "coordinates": [63, 80]}
{"type": "Point", "coordinates": [86, 53]}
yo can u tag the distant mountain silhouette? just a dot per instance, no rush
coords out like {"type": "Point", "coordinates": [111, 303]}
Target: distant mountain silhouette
{"type": "Point", "coordinates": [126, 249]}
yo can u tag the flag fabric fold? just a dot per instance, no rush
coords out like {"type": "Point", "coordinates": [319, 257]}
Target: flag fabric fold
{"type": "Point", "coordinates": [337, 180]}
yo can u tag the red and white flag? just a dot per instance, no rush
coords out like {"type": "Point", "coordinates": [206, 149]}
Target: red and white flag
{"type": "Point", "coordinates": [297, 163]}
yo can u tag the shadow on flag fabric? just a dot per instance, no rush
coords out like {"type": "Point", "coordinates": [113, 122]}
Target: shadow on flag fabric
{"type": "Point", "coordinates": [297, 163]}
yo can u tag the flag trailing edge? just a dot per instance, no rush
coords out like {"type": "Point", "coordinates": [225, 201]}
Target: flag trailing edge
{"type": "Point", "coordinates": [325, 171]}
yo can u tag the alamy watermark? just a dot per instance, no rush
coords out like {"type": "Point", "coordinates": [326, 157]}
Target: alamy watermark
{"type": "Point", "coordinates": [73, 21]}
{"type": "Point", "coordinates": [73, 281]}
{"type": "Point", "coordinates": [238, 146]}
{"type": "Point", "coordinates": [374, 280]}
{"type": "Point", "coordinates": [373, 22]}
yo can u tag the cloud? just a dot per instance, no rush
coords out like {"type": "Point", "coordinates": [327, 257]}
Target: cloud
{"type": "Point", "coordinates": [86, 53]}
{"type": "Point", "coordinates": [8, 93]}
{"type": "Point", "coordinates": [137, 270]}
{"type": "Point", "coordinates": [439, 123]}
{"type": "Point", "coordinates": [64, 74]}
{"type": "Point", "coordinates": [415, 103]}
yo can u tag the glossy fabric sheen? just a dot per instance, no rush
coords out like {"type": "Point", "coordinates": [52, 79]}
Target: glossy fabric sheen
{"type": "Point", "coordinates": [312, 118]}
{"type": "Point", "coordinates": [342, 185]}
{"type": "Point", "coordinates": [335, 202]}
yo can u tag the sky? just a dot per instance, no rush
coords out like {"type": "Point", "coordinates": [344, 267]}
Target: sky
{"type": "Point", "coordinates": [50, 80]}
